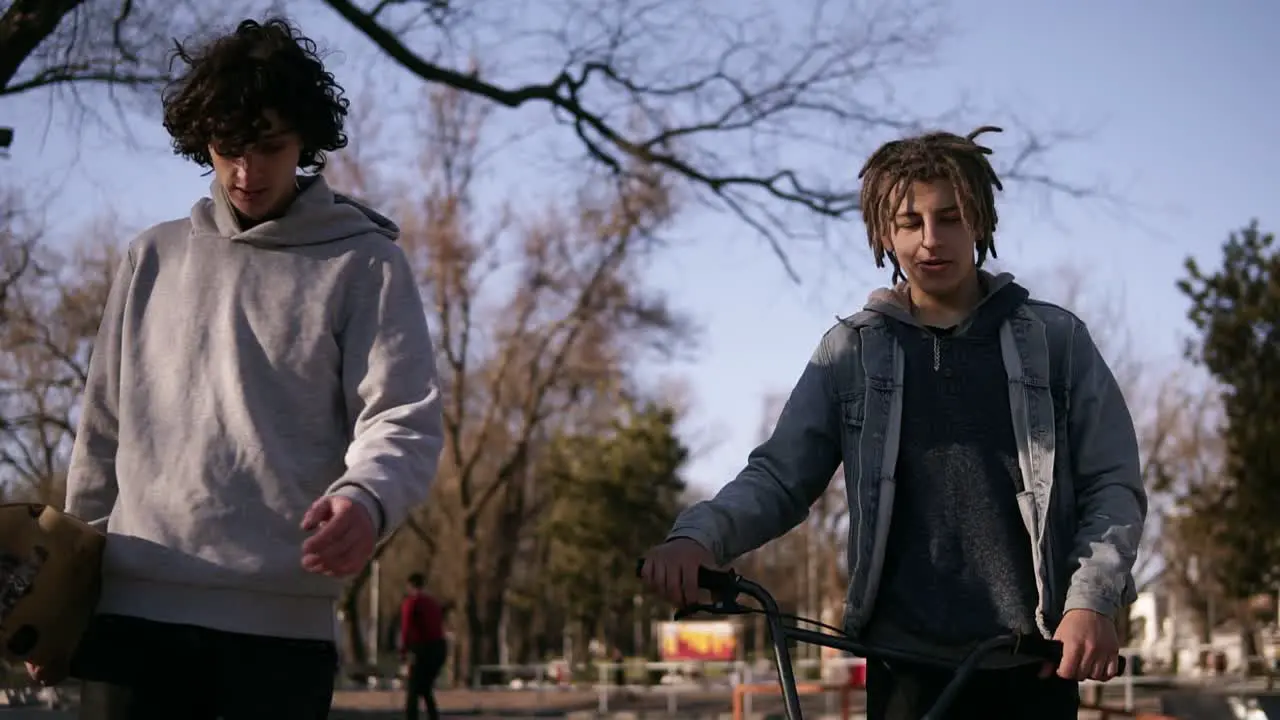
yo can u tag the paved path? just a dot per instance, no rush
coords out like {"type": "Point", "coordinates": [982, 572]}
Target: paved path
{"type": "Point", "coordinates": [574, 704]}
{"type": "Point", "coordinates": [584, 704]}
{"type": "Point", "coordinates": [1217, 705]}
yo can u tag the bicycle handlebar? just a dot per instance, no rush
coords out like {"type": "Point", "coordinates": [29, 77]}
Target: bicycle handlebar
{"type": "Point", "coordinates": [716, 581]}
{"type": "Point", "coordinates": [726, 586]}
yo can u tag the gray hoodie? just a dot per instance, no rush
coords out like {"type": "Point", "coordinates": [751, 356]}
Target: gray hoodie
{"type": "Point", "coordinates": [238, 376]}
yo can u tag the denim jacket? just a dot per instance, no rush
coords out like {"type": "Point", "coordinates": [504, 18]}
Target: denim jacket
{"type": "Point", "coordinates": [1084, 505]}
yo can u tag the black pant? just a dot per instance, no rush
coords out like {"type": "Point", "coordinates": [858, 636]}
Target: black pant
{"type": "Point", "coordinates": [907, 692]}
{"type": "Point", "coordinates": [137, 669]}
{"type": "Point", "coordinates": [425, 663]}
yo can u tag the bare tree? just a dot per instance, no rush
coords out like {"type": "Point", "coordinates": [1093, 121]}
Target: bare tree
{"type": "Point", "coordinates": [714, 93]}
{"type": "Point", "coordinates": [806, 566]}
{"type": "Point", "coordinates": [118, 46]}
{"type": "Point", "coordinates": [746, 103]}
{"type": "Point", "coordinates": [1188, 477]}
{"type": "Point", "coordinates": [52, 308]}
{"type": "Point", "coordinates": [538, 323]}
{"type": "Point", "coordinates": [70, 41]}
{"type": "Point", "coordinates": [1191, 458]}
{"type": "Point", "coordinates": [18, 239]}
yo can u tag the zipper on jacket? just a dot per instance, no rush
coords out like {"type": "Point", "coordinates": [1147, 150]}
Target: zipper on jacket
{"type": "Point", "coordinates": [937, 352]}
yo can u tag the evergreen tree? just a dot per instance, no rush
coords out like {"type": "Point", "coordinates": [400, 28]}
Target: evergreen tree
{"type": "Point", "coordinates": [614, 496]}
{"type": "Point", "coordinates": [1236, 310]}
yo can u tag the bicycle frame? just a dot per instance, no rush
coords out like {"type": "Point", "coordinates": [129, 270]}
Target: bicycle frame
{"type": "Point", "coordinates": [727, 586]}
{"type": "Point", "coordinates": [780, 634]}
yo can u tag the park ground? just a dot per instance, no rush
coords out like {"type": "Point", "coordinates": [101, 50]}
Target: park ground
{"type": "Point", "coordinates": [1185, 703]}
{"type": "Point", "coordinates": [584, 704]}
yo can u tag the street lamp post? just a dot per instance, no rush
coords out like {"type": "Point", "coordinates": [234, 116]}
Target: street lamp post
{"type": "Point", "coordinates": [375, 608]}
{"type": "Point", "coordinates": [638, 601]}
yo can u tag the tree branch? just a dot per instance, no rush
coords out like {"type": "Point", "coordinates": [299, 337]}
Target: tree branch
{"type": "Point", "coordinates": [80, 73]}
{"type": "Point", "coordinates": [25, 25]}
{"type": "Point", "coordinates": [814, 83]}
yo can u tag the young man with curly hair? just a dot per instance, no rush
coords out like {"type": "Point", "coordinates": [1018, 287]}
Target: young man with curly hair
{"type": "Point", "coordinates": [261, 409]}
{"type": "Point", "coordinates": [990, 461]}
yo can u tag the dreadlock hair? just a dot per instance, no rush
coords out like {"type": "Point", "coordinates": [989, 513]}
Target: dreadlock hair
{"type": "Point", "coordinates": [892, 169]}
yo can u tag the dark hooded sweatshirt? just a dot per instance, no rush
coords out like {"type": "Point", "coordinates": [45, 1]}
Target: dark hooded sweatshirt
{"type": "Point", "coordinates": [958, 567]}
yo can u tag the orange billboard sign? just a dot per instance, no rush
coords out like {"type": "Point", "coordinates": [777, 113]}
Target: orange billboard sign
{"type": "Point", "coordinates": [707, 641]}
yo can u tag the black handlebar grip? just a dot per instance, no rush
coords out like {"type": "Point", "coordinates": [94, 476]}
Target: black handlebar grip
{"type": "Point", "coordinates": [718, 581]}
{"type": "Point", "coordinates": [1040, 647]}
{"type": "Point", "coordinates": [1051, 650]}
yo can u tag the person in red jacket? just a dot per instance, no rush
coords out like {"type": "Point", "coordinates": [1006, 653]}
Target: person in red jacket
{"type": "Point", "coordinates": [422, 645]}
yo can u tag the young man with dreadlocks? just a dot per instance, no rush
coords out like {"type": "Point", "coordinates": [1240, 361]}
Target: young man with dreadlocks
{"type": "Point", "coordinates": [990, 461]}
{"type": "Point", "coordinates": [261, 407]}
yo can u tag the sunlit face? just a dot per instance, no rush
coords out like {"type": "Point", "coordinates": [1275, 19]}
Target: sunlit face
{"type": "Point", "coordinates": [931, 242]}
{"type": "Point", "coordinates": [260, 182]}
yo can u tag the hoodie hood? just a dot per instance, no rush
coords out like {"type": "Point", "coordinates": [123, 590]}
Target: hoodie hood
{"type": "Point", "coordinates": [318, 215]}
{"type": "Point", "coordinates": [1001, 298]}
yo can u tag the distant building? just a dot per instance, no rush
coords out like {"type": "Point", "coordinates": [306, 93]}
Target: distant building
{"type": "Point", "coordinates": [1162, 631]}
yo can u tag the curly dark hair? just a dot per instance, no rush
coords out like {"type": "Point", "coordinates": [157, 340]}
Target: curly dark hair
{"type": "Point", "coordinates": [933, 156]}
{"type": "Point", "coordinates": [234, 79]}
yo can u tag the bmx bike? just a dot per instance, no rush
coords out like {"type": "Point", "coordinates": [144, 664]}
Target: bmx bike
{"type": "Point", "coordinates": [726, 586]}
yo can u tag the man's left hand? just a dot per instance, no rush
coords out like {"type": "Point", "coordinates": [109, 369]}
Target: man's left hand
{"type": "Point", "coordinates": [344, 539]}
{"type": "Point", "coordinates": [1090, 647]}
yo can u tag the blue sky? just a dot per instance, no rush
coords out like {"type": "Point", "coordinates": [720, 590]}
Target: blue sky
{"type": "Point", "coordinates": [1180, 98]}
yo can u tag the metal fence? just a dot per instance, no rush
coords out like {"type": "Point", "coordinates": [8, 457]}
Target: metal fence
{"type": "Point", "coordinates": [681, 678]}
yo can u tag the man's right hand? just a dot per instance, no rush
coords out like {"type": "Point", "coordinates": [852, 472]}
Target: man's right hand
{"type": "Point", "coordinates": [671, 570]}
